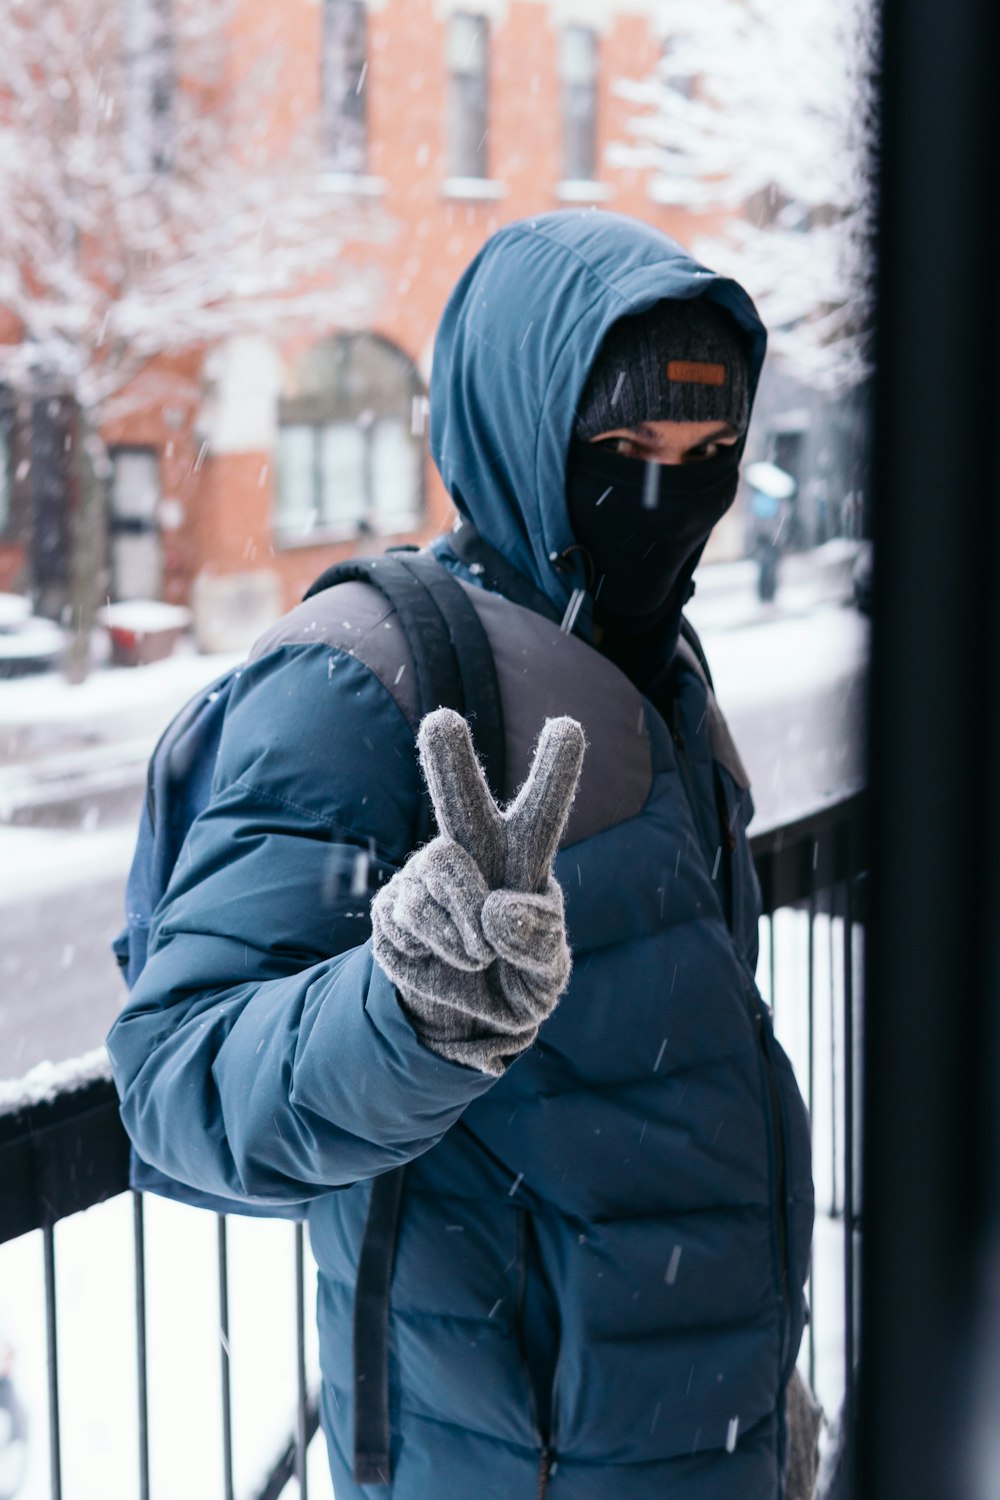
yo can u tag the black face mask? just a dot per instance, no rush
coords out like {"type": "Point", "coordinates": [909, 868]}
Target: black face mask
{"type": "Point", "coordinates": [642, 525]}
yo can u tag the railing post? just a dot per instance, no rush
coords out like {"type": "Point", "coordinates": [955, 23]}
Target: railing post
{"type": "Point", "coordinates": [52, 1354]}
{"type": "Point", "coordinates": [848, 937]}
{"type": "Point", "coordinates": [227, 1407]}
{"type": "Point", "coordinates": [301, 1424]}
{"type": "Point", "coordinates": [142, 1388]}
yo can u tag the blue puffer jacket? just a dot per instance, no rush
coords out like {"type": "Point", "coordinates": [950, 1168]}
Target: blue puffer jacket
{"type": "Point", "coordinates": [601, 1255]}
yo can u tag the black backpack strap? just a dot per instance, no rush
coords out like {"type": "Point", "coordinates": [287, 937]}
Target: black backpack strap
{"type": "Point", "coordinates": [454, 668]}
{"type": "Point", "coordinates": [479, 687]}
{"type": "Point", "coordinates": [437, 673]}
{"type": "Point", "coordinates": [452, 657]}
{"type": "Point", "coordinates": [371, 1331]}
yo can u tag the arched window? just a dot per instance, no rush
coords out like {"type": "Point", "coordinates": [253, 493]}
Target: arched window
{"type": "Point", "coordinates": [350, 454]}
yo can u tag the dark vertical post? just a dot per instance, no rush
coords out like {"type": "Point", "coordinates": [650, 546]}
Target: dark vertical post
{"type": "Point", "coordinates": [142, 1389]}
{"type": "Point", "coordinates": [52, 1353]}
{"type": "Point", "coordinates": [831, 957]}
{"type": "Point", "coordinates": [227, 1404]}
{"type": "Point", "coordinates": [51, 488]}
{"type": "Point", "coordinates": [930, 1158]}
{"type": "Point", "coordinates": [849, 1309]}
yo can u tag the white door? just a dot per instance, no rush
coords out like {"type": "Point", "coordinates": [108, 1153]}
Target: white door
{"type": "Point", "coordinates": [136, 554]}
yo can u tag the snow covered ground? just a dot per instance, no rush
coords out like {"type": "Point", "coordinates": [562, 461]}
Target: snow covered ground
{"type": "Point", "coordinates": [785, 660]}
{"type": "Point", "coordinates": [49, 861]}
{"type": "Point", "coordinates": [794, 692]}
{"type": "Point", "coordinates": [48, 700]}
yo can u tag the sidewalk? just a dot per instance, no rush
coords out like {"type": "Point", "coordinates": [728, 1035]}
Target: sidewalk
{"type": "Point", "coordinates": [726, 593]}
{"type": "Point", "coordinates": [68, 754]}
{"type": "Point", "coordinates": [66, 751]}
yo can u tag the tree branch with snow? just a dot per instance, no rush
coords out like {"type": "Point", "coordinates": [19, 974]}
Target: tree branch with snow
{"type": "Point", "coordinates": [162, 187]}
{"type": "Point", "coordinates": [763, 110]}
{"type": "Point", "coordinates": [149, 203]}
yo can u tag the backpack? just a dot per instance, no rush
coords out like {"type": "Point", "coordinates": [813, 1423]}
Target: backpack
{"type": "Point", "coordinates": [454, 668]}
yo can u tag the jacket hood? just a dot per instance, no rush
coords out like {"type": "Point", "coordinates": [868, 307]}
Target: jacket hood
{"type": "Point", "coordinates": [515, 345]}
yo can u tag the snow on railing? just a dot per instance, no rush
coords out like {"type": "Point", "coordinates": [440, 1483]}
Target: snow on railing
{"type": "Point", "coordinates": [48, 1081]}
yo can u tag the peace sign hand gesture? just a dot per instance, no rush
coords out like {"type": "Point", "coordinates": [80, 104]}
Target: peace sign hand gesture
{"type": "Point", "coordinates": [471, 930]}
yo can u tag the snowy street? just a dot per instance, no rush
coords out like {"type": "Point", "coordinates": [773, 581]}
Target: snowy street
{"type": "Point", "coordinates": [790, 677]}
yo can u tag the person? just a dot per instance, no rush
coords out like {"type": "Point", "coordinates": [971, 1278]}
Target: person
{"type": "Point", "coordinates": [772, 492]}
{"type": "Point", "coordinates": [547, 1014]}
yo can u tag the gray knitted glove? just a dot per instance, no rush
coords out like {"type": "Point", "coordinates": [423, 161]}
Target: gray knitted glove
{"type": "Point", "coordinates": [471, 929]}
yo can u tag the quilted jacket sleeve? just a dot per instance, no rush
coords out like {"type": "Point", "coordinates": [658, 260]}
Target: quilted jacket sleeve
{"type": "Point", "coordinates": [263, 1053]}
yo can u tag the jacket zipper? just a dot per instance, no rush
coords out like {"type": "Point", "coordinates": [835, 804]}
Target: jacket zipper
{"type": "Point", "coordinates": [727, 845]}
{"type": "Point", "coordinates": [690, 791]}
{"type": "Point", "coordinates": [682, 763]}
{"type": "Point", "coordinates": [548, 1461]}
{"type": "Point", "coordinates": [684, 767]}
{"type": "Point", "coordinates": [774, 1098]}
{"type": "Point", "coordinates": [545, 1439]}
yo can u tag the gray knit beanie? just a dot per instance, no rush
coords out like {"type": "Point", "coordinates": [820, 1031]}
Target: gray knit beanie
{"type": "Point", "coordinates": [679, 361]}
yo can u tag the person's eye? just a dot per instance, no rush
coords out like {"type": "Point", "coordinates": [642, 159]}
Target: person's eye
{"type": "Point", "coordinates": [708, 450]}
{"type": "Point", "coordinates": [635, 448]}
{"type": "Point", "coordinates": [623, 446]}
{"type": "Point", "coordinates": [698, 455]}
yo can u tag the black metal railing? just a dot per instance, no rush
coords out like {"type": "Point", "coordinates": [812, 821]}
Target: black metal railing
{"type": "Point", "coordinates": [813, 876]}
{"type": "Point", "coordinates": [69, 1152]}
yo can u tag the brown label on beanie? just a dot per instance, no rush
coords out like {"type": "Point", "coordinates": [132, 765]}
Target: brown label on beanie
{"type": "Point", "coordinates": [694, 372]}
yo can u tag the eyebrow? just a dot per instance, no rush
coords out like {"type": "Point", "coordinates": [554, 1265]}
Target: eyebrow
{"type": "Point", "coordinates": [726, 429]}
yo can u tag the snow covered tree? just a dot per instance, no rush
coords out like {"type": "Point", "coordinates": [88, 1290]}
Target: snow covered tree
{"type": "Point", "coordinates": [161, 188]}
{"type": "Point", "coordinates": [760, 114]}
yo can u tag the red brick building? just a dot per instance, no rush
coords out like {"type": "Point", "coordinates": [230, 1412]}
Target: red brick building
{"type": "Point", "coordinates": [278, 458]}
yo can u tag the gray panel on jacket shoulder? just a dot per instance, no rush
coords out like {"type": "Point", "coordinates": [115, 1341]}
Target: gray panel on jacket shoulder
{"type": "Point", "coordinates": [544, 673]}
{"type": "Point", "coordinates": [356, 618]}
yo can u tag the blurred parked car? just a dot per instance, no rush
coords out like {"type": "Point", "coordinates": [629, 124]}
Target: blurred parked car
{"type": "Point", "coordinates": [27, 642]}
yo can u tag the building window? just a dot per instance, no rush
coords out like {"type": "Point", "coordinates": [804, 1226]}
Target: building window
{"type": "Point", "coordinates": [150, 79]}
{"type": "Point", "coordinates": [345, 85]}
{"type": "Point", "coordinates": [134, 529]}
{"type": "Point", "coordinates": [468, 70]}
{"type": "Point", "coordinates": [349, 461]}
{"type": "Point", "coordinates": [578, 61]}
